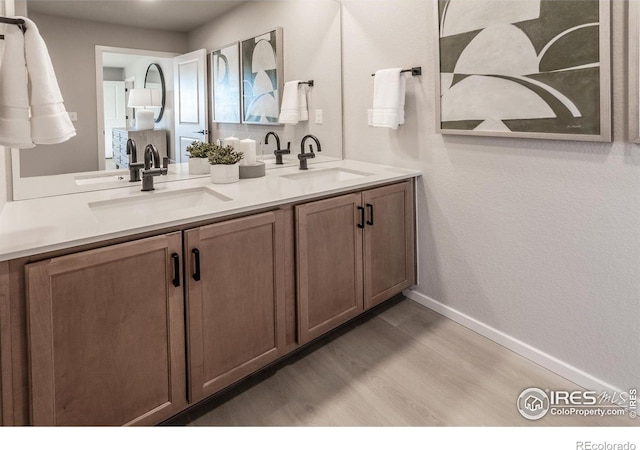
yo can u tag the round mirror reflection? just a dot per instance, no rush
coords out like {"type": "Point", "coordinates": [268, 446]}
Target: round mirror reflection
{"type": "Point", "coordinates": [154, 79]}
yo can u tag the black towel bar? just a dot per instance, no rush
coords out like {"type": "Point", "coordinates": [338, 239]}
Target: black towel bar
{"type": "Point", "coordinates": [12, 21]}
{"type": "Point", "coordinates": [310, 83]}
{"type": "Point", "coordinates": [415, 71]}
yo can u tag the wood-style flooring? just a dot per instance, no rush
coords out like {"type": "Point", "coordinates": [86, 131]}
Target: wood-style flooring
{"type": "Point", "coordinates": [403, 365]}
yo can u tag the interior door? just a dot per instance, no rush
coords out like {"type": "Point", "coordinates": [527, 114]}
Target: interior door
{"type": "Point", "coordinates": [190, 95]}
{"type": "Point", "coordinates": [115, 112]}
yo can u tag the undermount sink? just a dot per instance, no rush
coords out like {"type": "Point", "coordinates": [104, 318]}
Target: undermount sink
{"type": "Point", "coordinates": [112, 177]}
{"type": "Point", "coordinates": [156, 205]}
{"type": "Point", "coordinates": [324, 176]}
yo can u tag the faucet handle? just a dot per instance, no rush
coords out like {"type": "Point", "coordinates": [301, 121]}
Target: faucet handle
{"type": "Point", "coordinates": [165, 162]}
{"type": "Point", "coordinates": [134, 171]}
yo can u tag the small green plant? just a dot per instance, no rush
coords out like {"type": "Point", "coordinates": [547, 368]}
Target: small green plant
{"type": "Point", "coordinates": [199, 149]}
{"type": "Point", "coordinates": [224, 155]}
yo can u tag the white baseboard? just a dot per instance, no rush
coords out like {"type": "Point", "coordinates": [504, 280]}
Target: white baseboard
{"type": "Point", "coordinates": [539, 357]}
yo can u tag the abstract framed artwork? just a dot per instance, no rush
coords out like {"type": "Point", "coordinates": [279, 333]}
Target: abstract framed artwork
{"type": "Point", "coordinates": [262, 82]}
{"type": "Point", "coordinates": [634, 72]}
{"type": "Point", "coordinates": [225, 83]}
{"type": "Point", "coordinates": [526, 68]}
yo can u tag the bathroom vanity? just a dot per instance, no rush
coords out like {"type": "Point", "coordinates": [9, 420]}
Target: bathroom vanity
{"type": "Point", "coordinates": [119, 307]}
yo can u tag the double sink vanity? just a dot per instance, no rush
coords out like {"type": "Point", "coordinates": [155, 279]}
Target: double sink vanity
{"type": "Point", "coordinates": [122, 307]}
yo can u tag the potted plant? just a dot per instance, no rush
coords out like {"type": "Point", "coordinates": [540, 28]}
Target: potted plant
{"type": "Point", "coordinates": [224, 164]}
{"type": "Point", "coordinates": [198, 157]}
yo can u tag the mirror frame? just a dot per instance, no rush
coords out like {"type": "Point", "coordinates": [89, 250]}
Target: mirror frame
{"type": "Point", "coordinates": [164, 88]}
{"type": "Point", "coordinates": [634, 72]}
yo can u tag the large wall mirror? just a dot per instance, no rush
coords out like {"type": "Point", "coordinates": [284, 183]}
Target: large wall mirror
{"type": "Point", "coordinates": [155, 32]}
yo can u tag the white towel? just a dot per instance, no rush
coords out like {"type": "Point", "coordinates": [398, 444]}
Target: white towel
{"type": "Point", "coordinates": [388, 99]}
{"type": "Point", "coordinates": [294, 103]}
{"type": "Point", "coordinates": [50, 122]}
{"type": "Point", "coordinates": [15, 128]}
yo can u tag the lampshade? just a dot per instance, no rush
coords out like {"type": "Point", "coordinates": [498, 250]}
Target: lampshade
{"type": "Point", "coordinates": [141, 98]}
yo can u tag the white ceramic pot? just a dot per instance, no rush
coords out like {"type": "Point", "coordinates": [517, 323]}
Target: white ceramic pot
{"type": "Point", "coordinates": [225, 173]}
{"type": "Point", "coordinates": [198, 166]}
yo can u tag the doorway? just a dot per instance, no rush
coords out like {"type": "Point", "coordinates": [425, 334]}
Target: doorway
{"type": "Point", "coordinates": [125, 68]}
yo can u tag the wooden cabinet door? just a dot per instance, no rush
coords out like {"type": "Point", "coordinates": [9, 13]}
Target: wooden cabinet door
{"type": "Point", "coordinates": [235, 300]}
{"type": "Point", "coordinates": [389, 255]}
{"type": "Point", "coordinates": [6, 388]}
{"type": "Point", "coordinates": [106, 335]}
{"type": "Point", "coordinates": [329, 256]}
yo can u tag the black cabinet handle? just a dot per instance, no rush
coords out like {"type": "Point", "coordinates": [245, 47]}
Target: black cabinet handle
{"type": "Point", "coordinates": [176, 269]}
{"type": "Point", "coordinates": [361, 210]}
{"type": "Point", "coordinates": [370, 208]}
{"type": "Point", "coordinates": [196, 254]}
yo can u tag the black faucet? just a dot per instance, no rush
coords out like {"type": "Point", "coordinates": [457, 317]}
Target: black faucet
{"type": "Point", "coordinates": [151, 156]}
{"type": "Point", "coordinates": [304, 156]}
{"type": "Point", "coordinates": [278, 152]}
{"type": "Point", "coordinates": [134, 165]}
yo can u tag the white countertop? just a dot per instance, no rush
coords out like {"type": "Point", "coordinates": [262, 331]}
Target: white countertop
{"type": "Point", "coordinates": [29, 227]}
{"type": "Point", "coordinates": [73, 183]}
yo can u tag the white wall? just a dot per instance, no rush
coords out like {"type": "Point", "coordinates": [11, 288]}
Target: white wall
{"type": "Point", "coordinates": [71, 44]}
{"type": "Point", "coordinates": [311, 44]}
{"type": "Point", "coordinates": [537, 239]}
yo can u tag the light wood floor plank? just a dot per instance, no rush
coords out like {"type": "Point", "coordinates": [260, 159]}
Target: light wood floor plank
{"type": "Point", "coordinates": [404, 365]}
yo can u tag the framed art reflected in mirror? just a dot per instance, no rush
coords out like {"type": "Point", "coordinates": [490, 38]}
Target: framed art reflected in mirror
{"type": "Point", "coordinates": [225, 84]}
{"type": "Point", "coordinates": [262, 81]}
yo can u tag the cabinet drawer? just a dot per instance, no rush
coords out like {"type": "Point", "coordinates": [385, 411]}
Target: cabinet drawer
{"type": "Point", "coordinates": [118, 147]}
{"type": "Point", "coordinates": [118, 136]}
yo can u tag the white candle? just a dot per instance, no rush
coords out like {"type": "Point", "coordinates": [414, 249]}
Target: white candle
{"type": "Point", "coordinates": [248, 147]}
{"type": "Point", "coordinates": [232, 141]}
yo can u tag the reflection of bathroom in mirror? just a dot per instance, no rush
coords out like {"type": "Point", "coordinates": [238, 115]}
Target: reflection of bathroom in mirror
{"type": "Point", "coordinates": [124, 69]}
{"type": "Point", "coordinates": [75, 30]}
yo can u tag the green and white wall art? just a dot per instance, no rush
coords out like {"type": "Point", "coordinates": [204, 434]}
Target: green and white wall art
{"type": "Point", "coordinates": [262, 81]}
{"type": "Point", "coordinates": [526, 68]}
